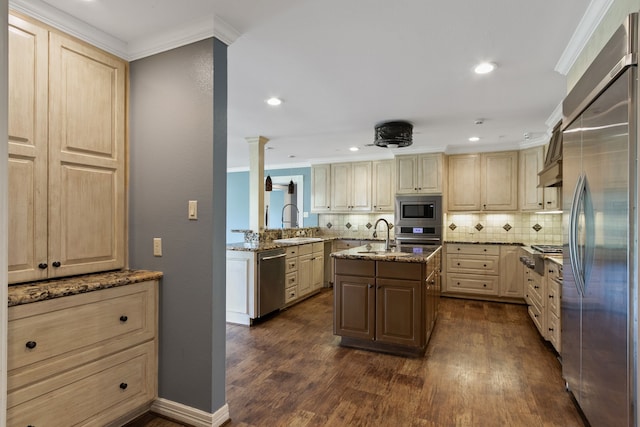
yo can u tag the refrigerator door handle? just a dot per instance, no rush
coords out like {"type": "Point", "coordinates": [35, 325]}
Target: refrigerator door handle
{"type": "Point", "coordinates": [574, 256]}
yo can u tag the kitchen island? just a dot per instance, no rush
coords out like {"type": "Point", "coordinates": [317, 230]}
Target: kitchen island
{"type": "Point", "coordinates": [386, 300]}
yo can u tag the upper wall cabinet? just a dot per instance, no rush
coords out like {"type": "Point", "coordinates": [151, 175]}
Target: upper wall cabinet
{"type": "Point", "coordinates": [420, 173]}
{"type": "Point", "coordinates": [382, 177]}
{"type": "Point", "coordinates": [532, 197]}
{"type": "Point", "coordinates": [351, 187]}
{"type": "Point", "coordinates": [487, 181]}
{"type": "Point", "coordinates": [67, 196]}
{"type": "Point", "coordinates": [321, 188]}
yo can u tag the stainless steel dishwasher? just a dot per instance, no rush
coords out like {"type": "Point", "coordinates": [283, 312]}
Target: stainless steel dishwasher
{"type": "Point", "coordinates": [271, 268]}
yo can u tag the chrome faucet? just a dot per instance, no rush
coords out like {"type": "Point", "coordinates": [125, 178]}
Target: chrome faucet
{"type": "Point", "coordinates": [387, 246]}
{"type": "Point", "coordinates": [293, 223]}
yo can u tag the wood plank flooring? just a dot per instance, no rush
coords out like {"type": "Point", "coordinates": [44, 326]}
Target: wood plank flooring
{"type": "Point", "coordinates": [486, 365]}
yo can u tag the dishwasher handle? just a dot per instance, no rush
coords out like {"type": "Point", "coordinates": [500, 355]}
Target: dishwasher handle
{"type": "Point", "coordinates": [272, 257]}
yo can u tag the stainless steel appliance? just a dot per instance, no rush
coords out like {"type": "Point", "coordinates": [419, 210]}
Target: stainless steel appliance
{"type": "Point", "coordinates": [600, 228]}
{"type": "Point", "coordinates": [271, 272]}
{"type": "Point", "coordinates": [539, 256]}
{"type": "Point", "coordinates": [418, 219]}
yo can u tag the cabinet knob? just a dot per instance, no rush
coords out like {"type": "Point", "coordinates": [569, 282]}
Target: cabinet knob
{"type": "Point", "coordinates": [370, 286]}
{"type": "Point", "coordinates": [458, 248]}
{"type": "Point", "coordinates": [485, 265]}
{"type": "Point", "coordinates": [123, 318]}
{"type": "Point", "coordinates": [42, 265]}
{"type": "Point", "coordinates": [536, 287]}
{"type": "Point", "coordinates": [31, 345]}
{"type": "Point", "coordinates": [485, 250]}
{"type": "Point", "coordinates": [549, 203]}
{"type": "Point", "coordinates": [484, 285]}
{"type": "Point", "coordinates": [550, 329]}
{"type": "Point", "coordinates": [539, 204]}
{"type": "Point", "coordinates": [56, 264]}
{"type": "Point", "coordinates": [415, 188]}
{"type": "Point", "coordinates": [124, 386]}
{"type": "Point", "coordinates": [458, 263]}
{"type": "Point", "coordinates": [550, 296]}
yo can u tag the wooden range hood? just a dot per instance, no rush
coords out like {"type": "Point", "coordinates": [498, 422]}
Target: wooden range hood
{"type": "Point", "coordinates": [551, 174]}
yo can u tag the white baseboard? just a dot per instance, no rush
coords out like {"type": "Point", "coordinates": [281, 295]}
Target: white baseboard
{"type": "Point", "coordinates": [189, 415]}
{"type": "Point", "coordinates": [238, 318]}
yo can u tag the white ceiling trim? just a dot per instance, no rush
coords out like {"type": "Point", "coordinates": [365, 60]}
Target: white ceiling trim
{"type": "Point", "coordinates": [211, 26]}
{"type": "Point", "coordinates": [70, 25]}
{"type": "Point", "coordinates": [588, 24]}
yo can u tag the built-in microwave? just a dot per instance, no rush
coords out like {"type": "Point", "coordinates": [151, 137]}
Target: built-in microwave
{"type": "Point", "coordinates": [418, 218]}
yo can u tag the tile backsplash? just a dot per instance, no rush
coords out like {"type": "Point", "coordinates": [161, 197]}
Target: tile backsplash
{"type": "Point", "coordinates": [514, 227]}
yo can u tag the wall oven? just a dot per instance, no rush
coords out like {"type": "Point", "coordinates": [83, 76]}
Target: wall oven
{"type": "Point", "coordinates": [418, 219]}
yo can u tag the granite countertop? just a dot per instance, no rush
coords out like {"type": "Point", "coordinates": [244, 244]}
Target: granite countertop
{"type": "Point", "coordinates": [265, 246]}
{"type": "Point", "coordinates": [39, 291]}
{"type": "Point", "coordinates": [370, 252]}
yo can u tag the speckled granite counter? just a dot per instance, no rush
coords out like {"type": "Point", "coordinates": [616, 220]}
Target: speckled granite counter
{"type": "Point", "coordinates": [265, 246]}
{"type": "Point", "coordinates": [376, 252]}
{"type": "Point", "coordinates": [39, 291]}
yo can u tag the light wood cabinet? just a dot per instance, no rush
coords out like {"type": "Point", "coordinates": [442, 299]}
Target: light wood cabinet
{"type": "Point", "coordinates": [93, 355]}
{"type": "Point", "coordinates": [473, 269]}
{"type": "Point", "coordinates": [483, 182]}
{"type": "Point", "coordinates": [511, 284]}
{"type": "Point", "coordinates": [321, 188]}
{"type": "Point", "coordinates": [383, 192]}
{"type": "Point", "coordinates": [421, 173]}
{"type": "Point", "coordinates": [351, 187]}
{"type": "Point", "coordinates": [554, 304]}
{"type": "Point", "coordinates": [67, 195]}
{"type": "Point", "coordinates": [532, 197]}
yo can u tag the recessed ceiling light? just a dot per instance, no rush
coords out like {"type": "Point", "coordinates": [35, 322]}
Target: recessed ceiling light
{"type": "Point", "coordinates": [354, 149]}
{"type": "Point", "coordinates": [474, 139]}
{"type": "Point", "coordinates": [484, 67]}
{"type": "Point", "coordinates": [274, 101]}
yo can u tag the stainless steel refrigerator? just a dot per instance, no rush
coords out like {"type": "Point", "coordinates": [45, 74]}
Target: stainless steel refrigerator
{"type": "Point", "coordinates": [599, 292]}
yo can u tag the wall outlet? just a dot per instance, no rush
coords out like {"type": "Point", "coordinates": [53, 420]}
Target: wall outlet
{"type": "Point", "coordinates": [157, 246]}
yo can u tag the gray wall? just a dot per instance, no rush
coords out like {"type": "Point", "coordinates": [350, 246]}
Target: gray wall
{"type": "Point", "coordinates": [175, 158]}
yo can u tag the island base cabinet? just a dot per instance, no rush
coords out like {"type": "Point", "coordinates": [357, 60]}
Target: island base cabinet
{"type": "Point", "coordinates": [398, 308]}
{"type": "Point", "coordinates": [97, 392]}
{"type": "Point", "coordinates": [354, 307]}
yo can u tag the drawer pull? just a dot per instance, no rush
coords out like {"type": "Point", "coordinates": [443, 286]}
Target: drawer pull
{"type": "Point", "coordinates": [550, 329]}
{"type": "Point", "coordinates": [31, 345]}
{"type": "Point", "coordinates": [42, 265]}
{"type": "Point", "coordinates": [485, 265]}
{"type": "Point", "coordinates": [56, 264]}
{"type": "Point", "coordinates": [536, 287]}
{"type": "Point", "coordinates": [550, 296]}
{"type": "Point", "coordinates": [123, 318]}
{"type": "Point", "coordinates": [124, 386]}
{"type": "Point", "coordinates": [458, 263]}
{"type": "Point", "coordinates": [484, 285]}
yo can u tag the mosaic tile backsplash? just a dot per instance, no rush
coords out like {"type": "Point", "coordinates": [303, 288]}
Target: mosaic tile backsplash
{"type": "Point", "coordinates": [516, 227]}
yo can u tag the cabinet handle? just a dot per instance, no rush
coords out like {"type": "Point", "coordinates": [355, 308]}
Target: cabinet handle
{"type": "Point", "coordinates": [539, 204]}
{"type": "Point", "coordinates": [549, 203]}
{"type": "Point", "coordinates": [124, 386]}
{"type": "Point", "coordinates": [458, 263]}
{"type": "Point", "coordinates": [485, 265]}
{"type": "Point", "coordinates": [536, 287]}
{"type": "Point", "coordinates": [550, 329]}
{"type": "Point", "coordinates": [42, 265]}
{"type": "Point", "coordinates": [31, 345]}
{"type": "Point", "coordinates": [458, 283]}
{"type": "Point", "coordinates": [123, 318]}
{"type": "Point", "coordinates": [484, 285]}
{"type": "Point", "coordinates": [458, 248]}
{"type": "Point", "coordinates": [485, 250]}
{"type": "Point", "coordinates": [370, 286]}
{"type": "Point", "coordinates": [550, 296]}
{"type": "Point", "coordinates": [56, 264]}
{"type": "Point", "coordinates": [535, 315]}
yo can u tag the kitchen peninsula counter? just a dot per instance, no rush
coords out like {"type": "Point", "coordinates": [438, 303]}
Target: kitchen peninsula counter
{"type": "Point", "coordinates": [376, 252]}
{"type": "Point", "coordinates": [27, 293]}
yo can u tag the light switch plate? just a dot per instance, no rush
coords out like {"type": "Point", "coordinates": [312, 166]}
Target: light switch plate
{"type": "Point", "coordinates": [157, 246]}
{"type": "Point", "coordinates": [193, 209]}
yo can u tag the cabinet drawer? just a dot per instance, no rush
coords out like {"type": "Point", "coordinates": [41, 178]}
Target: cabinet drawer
{"type": "Point", "coordinates": [391, 270]}
{"type": "Point", "coordinates": [536, 315]}
{"type": "Point", "coordinates": [473, 249]}
{"type": "Point", "coordinates": [291, 294]}
{"type": "Point", "coordinates": [318, 247]}
{"type": "Point", "coordinates": [536, 292]}
{"type": "Point", "coordinates": [305, 249]}
{"type": "Point", "coordinates": [292, 251]}
{"type": "Point", "coordinates": [473, 264]}
{"type": "Point", "coordinates": [291, 265]}
{"type": "Point", "coordinates": [553, 326]}
{"type": "Point", "coordinates": [92, 394]}
{"type": "Point", "coordinates": [486, 285]}
{"type": "Point", "coordinates": [554, 294]}
{"type": "Point", "coordinates": [62, 328]}
{"type": "Point", "coordinates": [291, 279]}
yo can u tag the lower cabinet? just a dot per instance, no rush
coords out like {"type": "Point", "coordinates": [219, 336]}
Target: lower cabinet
{"type": "Point", "coordinates": [87, 359]}
{"type": "Point", "coordinates": [384, 305]}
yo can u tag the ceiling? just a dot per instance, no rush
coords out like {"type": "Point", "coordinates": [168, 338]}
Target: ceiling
{"type": "Point", "coordinates": [340, 67]}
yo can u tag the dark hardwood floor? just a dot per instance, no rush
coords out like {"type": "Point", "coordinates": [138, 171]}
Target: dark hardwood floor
{"type": "Point", "coordinates": [486, 365]}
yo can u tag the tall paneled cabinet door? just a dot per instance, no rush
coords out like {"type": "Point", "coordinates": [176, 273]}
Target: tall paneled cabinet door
{"type": "Point", "coordinates": [86, 158]}
{"type": "Point", "coordinates": [27, 151]}
{"type": "Point", "coordinates": [66, 111]}
{"type": "Point", "coordinates": [532, 197]}
{"type": "Point", "coordinates": [499, 181]}
{"type": "Point", "coordinates": [383, 190]}
{"type": "Point", "coordinates": [464, 182]}
{"type": "Point", "coordinates": [321, 188]}
{"type": "Point", "coordinates": [351, 187]}
{"type": "Point", "coordinates": [420, 173]}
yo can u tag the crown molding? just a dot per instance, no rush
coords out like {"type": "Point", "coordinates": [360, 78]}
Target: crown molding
{"type": "Point", "coordinates": [583, 32]}
{"type": "Point", "coordinates": [68, 24]}
{"type": "Point", "coordinates": [210, 26]}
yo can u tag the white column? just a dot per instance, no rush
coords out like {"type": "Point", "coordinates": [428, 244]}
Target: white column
{"type": "Point", "coordinates": [256, 182]}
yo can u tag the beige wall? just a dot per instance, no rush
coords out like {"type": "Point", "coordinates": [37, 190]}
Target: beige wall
{"type": "Point", "coordinates": [610, 22]}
